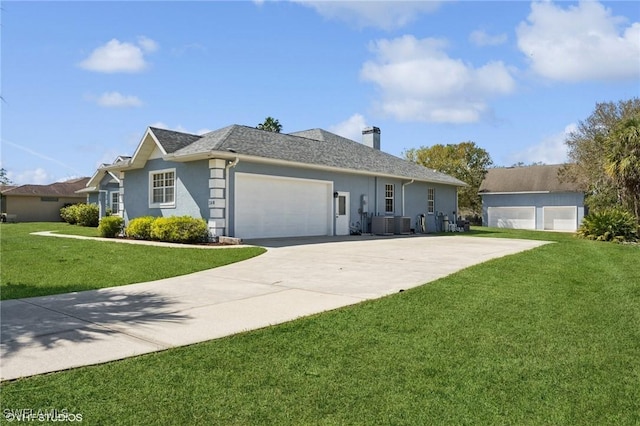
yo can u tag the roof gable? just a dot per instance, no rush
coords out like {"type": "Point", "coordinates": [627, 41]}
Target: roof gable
{"type": "Point", "coordinates": [167, 141]}
{"type": "Point", "coordinates": [543, 178]}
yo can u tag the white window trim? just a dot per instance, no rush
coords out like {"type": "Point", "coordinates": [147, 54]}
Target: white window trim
{"type": "Point", "coordinates": [172, 204]}
{"type": "Point", "coordinates": [117, 211]}
{"type": "Point", "coordinates": [431, 201]}
{"type": "Point", "coordinates": [392, 198]}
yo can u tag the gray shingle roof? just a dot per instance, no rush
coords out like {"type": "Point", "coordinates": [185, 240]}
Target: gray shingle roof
{"type": "Point", "coordinates": [172, 141]}
{"type": "Point", "coordinates": [314, 147]}
{"type": "Point", "coordinates": [526, 179]}
{"type": "Point", "coordinates": [58, 189]}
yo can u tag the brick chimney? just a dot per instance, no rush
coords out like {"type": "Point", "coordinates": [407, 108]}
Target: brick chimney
{"type": "Point", "coordinates": [371, 137]}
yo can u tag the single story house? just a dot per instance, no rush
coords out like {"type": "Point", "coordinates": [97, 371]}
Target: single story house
{"type": "Point", "coordinates": [532, 197]}
{"type": "Point", "coordinates": [40, 203]}
{"type": "Point", "coordinates": [251, 183]}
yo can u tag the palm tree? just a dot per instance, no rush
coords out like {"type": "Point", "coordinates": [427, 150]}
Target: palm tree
{"type": "Point", "coordinates": [271, 125]}
{"type": "Point", "coordinates": [622, 161]}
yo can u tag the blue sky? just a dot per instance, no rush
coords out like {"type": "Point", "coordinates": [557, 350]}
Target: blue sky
{"type": "Point", "coordinates": [81, 81]}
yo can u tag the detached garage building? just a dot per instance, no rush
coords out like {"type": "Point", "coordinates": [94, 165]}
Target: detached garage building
{"type": "Point", "coordinates": [532, 197]}
{"type": "Point", "coordinates": [251, 183]}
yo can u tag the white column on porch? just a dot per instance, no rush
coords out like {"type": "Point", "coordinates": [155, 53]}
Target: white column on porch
{"type": "Point", "coordinates": [121, 195]}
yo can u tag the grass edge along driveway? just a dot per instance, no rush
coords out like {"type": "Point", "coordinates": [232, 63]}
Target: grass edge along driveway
{"type": "Point", "coordinates": [547, 336]}
{"type": "Point", "coordinates": [37, 266]}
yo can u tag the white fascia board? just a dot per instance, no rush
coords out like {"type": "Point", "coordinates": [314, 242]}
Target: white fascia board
{"type": "Point", "coordinates": [86, 190]}
{"type": "Point", "coordinates": [514, 192]}
{"type": "Point", "coordinates": [143, 146]}
{"type": "Point", "coordinates": [273, 161]}
{"type": "Point", "coordinates": [94, 181]}
{"type": "Point", "coordinates": [114, 176]}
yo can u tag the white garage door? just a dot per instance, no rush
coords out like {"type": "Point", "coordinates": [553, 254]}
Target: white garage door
{"type": "Point", "coordinates": [268, 206]}
{"type": "Point", "coordinates": [560, 218]}
{"type": "Point", "coordinates": [512, 217]}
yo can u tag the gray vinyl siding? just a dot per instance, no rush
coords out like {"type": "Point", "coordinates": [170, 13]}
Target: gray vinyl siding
{"type": "Point", "coordinates": [539, 201]}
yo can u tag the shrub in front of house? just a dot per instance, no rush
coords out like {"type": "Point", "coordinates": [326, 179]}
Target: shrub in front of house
{"type": "Point", "coordinates": [81, 214]}
{"type": "Point", "coordinates": [68, 214]}
{"type": "Point", "coordinates": [88, 215]}
{"type": "Point", "coordinates": [140, 228]}
{"type": "Point", "coordinates": [613, 224]}
{"type": "Point", "coordinates": [110, 226]}
{"type": "Point", "coordinates": [179, 229]}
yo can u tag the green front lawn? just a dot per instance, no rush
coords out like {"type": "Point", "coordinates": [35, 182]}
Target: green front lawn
{"type": "Point", "coordinates": [547, 336]}
{"type": "Point", "coordinates": [33, 265]}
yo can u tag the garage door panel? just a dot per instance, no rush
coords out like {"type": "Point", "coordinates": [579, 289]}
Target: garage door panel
{"type": "Point", "coordinates": [512, 217]}
{"type": "Point", "coordinates": [268, 206]}
{"type": "Point", "coordinates": [560, 218]}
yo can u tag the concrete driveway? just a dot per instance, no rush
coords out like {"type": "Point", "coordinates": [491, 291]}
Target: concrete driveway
{"type": "Point", "coordinates": [295, 278]}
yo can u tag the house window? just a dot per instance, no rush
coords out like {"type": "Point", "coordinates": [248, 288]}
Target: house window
{"type": "Point", "coordinates": [48, 199]}
{"type": "Point", "coordinates": [162, 188]}
{"type": "Point", "coordinates": [431, 200]}
{"type": "Point", "coordinates": [115, 202]}
{"type": "Point", "coordinates": [388, 198]}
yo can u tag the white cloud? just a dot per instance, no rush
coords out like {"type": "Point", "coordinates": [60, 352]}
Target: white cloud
{"type": "Point", "coordinates": [481, 38]}
{"type": "Point", "coordinates": [580, 43]}
{"type": "Point", "coordinates": [116, 56]}
{"type": "Point", "coordinates": [118, 100]}
{"type": "Point", "coordinates": [351, 128]}
{"type": "Point", "coordinates": [418, 81]}
{"type": "Point", "coordinates": [387, 15]}
{"type": "Point", "coordinates": [37, 176]}
{"type": "Point", "coordinates": [551, 150]}
{"type": "Point", "coordinates": [147, 44]}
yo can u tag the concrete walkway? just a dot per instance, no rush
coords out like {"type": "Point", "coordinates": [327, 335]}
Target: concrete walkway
{"type": "Point", "coordinates": [294, 278]}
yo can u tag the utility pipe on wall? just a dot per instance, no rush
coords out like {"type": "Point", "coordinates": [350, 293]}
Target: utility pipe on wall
{"type": "Point", "coordinates": [403, 185]}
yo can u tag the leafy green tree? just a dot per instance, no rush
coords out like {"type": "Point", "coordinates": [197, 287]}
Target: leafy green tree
{"type": "Point", "coordinates": [270, 124]}
{"type": "Point", "coordinates": [622, 162]}
{"type": "Point", "coordinates": [465, 161]}
{"type": "Point", "coordinates": [587, 147]}
{"type": "Point", "coordinates": [4, 179]}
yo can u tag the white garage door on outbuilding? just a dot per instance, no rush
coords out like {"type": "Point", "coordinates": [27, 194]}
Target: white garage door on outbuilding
{"type": "Point", "coordinates": [512, 217]}
{"type": "Point", "coordinates": [560, 218]}
{"type": "Point", "coordinates": [273, 206]}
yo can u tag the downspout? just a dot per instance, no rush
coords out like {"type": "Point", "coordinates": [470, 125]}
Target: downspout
{"type": "Point", "coordinates": [229, 166]}
{"type": "Point", "coordinates": [403, 185]}
{"type": "Point", "coordinates": [375, 193]}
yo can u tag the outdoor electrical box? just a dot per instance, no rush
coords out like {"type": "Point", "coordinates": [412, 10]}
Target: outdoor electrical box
{"type": "Point", "coordinates": [364, 204]}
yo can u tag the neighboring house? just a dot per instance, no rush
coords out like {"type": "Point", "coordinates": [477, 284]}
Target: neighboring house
{"type": "Point", "coordinates": [40, 203]}
{"type": "Point", "coordinates": [251, 183]}
{"type": "Point", "coordinates": [532, 197]}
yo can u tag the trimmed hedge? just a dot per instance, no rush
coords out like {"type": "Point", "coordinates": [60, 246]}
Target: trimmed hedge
{"type": "Point", "coordinates": [110, 226]}
{"type": "Point", "coordinates": [81, 214]}
{"type": "Point", "coordinates": [140, 228]}
{"type": "Point", "coordinates": [174, 229]}
{"type": "Point", "coordinates": [179, 229]}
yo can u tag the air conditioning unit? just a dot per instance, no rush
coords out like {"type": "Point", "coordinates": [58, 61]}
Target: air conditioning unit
{"type": "Point", "coordinates": [382, 225]}
{"type": "Point", "coordinates": [402, 225]}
